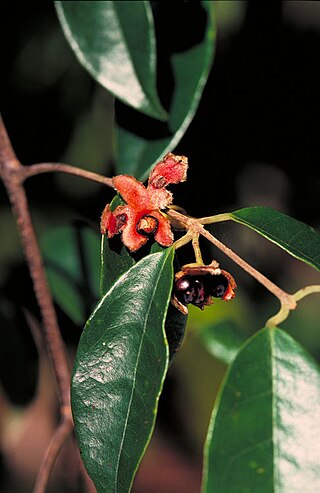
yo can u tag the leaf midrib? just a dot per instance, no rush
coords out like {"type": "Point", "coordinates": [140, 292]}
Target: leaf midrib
{"type": "Point", "coordinates": [135, 373]}
{"type": "Point", "coordinates": [287, 246]}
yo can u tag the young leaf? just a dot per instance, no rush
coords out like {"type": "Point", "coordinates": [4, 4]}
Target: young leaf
{"type": "Point", "coordinates": [297, 238]}
{"type": "Point", "coordinates": [115, 42]}
{"type": "Point", "coordinates": [120, 366]}
{"type": "Point", "coordinates": [136, 154]}
{"type": "Point", "coordinates": [265, 432]}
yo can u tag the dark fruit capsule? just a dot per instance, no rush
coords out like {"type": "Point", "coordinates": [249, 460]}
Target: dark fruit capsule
{"type": "Point", "coordinates": [198, 290]}
{"type": "Point", "coordinates": [218, 285]}
{"type": "Point", "coordinates": [189, 289]}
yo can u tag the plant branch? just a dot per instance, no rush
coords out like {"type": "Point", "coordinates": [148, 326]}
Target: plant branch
{"type": "Point", "coordinates": [196, 249]}
{"type": "Point", "coordinates": [196, 227]}
{"type": "Point", "coordinates": [62, 432]}
{"type": "Point", "coordinates": [35, 169]}
{"type": "Point", "coordinates": [10, 169]}
{"type": "Point", "coordinates": [285, 298]}
{"type": "Point", "coordinates": [218, 218]}
{"type": "Point", "coordinates": [315, 288]}
{"type": "Point", "coordinates": [284, 311]}
{"type": "Point", "coordinates": [278, 318]}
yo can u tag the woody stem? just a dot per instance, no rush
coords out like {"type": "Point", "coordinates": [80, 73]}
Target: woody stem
{"type": "Point", "coordinates": [11, 174]}
{"type": "Point", "coordinates": [285, 299]}
{"type": "Point", "coordinates": [35, 169]}
{"type": "Point", "coordinates": [196, 248]}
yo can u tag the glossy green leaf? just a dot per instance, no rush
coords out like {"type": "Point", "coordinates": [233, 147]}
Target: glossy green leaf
{"type": "Point", "coordinates": [71, 254]}
{"type": "Point", "coordinates": [295, 237]}
{"type": "Point", "coordinates": [137, 154]}
{"type": "Point", "coordinates": [265, 433]}
{"type": "Point", "coordinates": [116, 259]}
{"type": "Point", "coordinates": [115, 42]}
{"type": "Point", "coordinates": [120, 365]}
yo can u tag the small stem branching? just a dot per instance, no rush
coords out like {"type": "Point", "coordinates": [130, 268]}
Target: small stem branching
{"type": "Point", "coordinates": [35, 169]}
{"type": "Point", "coordinates": [301, 293]}
{"type": "Point", "coordinates": [196, 248]}
{"type": "Point", "coordinates": [283, 313]}
{"type": "Point", "coordinates": [195, 227]}
{"type": "Point", "coordinates": [218, 218]}
{"type": "Point", "coordinates": [183, 240]}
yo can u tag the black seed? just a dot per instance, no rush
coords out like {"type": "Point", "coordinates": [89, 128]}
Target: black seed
{"type": "Point", "coordinates": [218, 286]}
{"type": "Point", "coordinates": [189, 289]}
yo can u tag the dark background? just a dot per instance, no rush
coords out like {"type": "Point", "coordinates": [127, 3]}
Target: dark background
{"type": "Point", "coordinates": [253, 141]}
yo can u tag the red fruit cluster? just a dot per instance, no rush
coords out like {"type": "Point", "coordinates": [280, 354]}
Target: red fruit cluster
{"type": "Point", "coordinates": [141, 216]}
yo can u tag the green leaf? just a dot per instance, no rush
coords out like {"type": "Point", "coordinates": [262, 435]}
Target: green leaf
{"type": "Point", "coordinates": [264, 436]}
{"type": "Point", "coordinates": [71, 255]}
{"type": "Point", "coordinates": [119, 370]}
{"type": "Point", "coordinates": [137, 154]}
{"type": "Point", "coordinates": [116, 260]}
{"type": "Point", "coordinates": [223, 339]}
{"type": "Point", "coordinates": [221, 326]}
{"type": "Point", "coordinates": [115, 42]}
{"type": "Point", "coordinates": [295, 237]}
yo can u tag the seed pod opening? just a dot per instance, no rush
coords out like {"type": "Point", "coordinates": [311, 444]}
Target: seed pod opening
{"type": "Point", "coordinates": [198, 284]}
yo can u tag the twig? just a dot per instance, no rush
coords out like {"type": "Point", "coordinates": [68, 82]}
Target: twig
{"type": "Point", "coordinates": [285, 298]}
{"type": "Point", "coordinates": [196, 227]}
{"type": "Point", "coordinates": [306, 291]}
{"type": "Point", "coordinates": [10, 172]}
{"type": "Point", "coordinates": [35, 169]}
{"type": "Point", "coordinates": [62, 432]}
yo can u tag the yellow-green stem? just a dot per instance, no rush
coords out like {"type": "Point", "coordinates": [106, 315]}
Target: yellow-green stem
{"type": "Point", "coordinates": [301, 293]}
{"type": "Point", "coordinates": [194, 225]}
{"type": "Point", "coordinates": [218, 218]}
{"type": "Point", "coordinates": [196, 249]}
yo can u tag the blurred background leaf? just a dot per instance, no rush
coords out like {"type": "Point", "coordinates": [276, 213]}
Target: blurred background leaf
{"type": "Point", "coordinates": [72, 260]}
{"type": "Point", "coordinates": [184, 62]}
{"type": "Point", "coordinates": [222, 327]}
{"type": "Point", "coordinates": [19, 359]}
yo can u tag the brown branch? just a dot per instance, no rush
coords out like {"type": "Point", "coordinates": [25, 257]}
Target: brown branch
{"type": "Point", "coordinates": [286, 299]}
{"type": "Point", "coordinates": [60, 435]}
{"type": "Point", "coordinates": [10, 172]}
{"type": "Point", "coordinates": [194, 226]}
{"type": "Point", "coordinates": [35, 169]}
